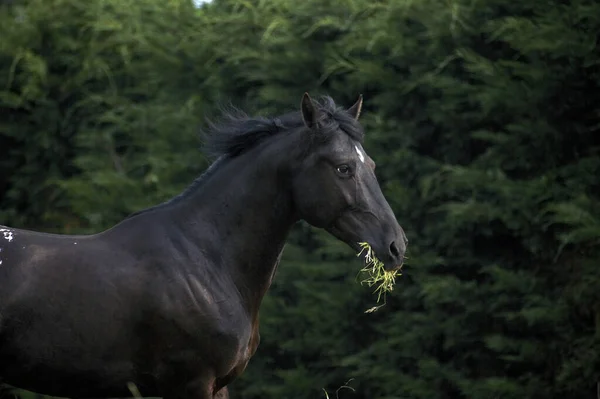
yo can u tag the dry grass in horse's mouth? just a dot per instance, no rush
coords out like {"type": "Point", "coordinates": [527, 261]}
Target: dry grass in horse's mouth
{"type": "Point", "coordinates": [377, 275]}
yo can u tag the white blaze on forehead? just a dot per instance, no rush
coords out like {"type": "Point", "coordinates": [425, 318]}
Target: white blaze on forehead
{"type": "Point", "coordinates": [361, 156]}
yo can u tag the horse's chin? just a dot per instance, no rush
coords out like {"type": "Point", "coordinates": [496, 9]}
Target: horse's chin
{"type": "Point", "coordinates": [352, 242]}
{"type": "Point", "coordinates": [389, 267]}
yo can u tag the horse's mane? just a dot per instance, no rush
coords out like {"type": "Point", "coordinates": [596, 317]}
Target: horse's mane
{"type": "Point", "coordinates": [237, 132]}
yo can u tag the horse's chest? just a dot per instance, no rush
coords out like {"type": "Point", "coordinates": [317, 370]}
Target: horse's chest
{"type": "Point", "coordinates": [230, 341]}
{"type": "Point", "coordinates": [215, 334]}
{"type": "Point", "coordinates": [246, 347]}
{"type": "Point", "coordinates": [241, 333]}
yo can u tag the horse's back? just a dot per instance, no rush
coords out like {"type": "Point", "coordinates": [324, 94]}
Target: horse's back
{"type": "Point", "coordinates": [69, 307]}
{"type": "Point", "coordinates": [31, 261]}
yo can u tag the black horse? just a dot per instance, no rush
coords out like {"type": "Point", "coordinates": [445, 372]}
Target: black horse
{"type": "Point", "coordinates": [168, 299]}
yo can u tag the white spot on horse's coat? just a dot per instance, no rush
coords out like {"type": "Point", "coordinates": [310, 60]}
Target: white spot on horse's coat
{"type": "Point", "coordinates": [360, 154]}
{"type": "Point", "coordinates": [75, 243]}
{"type": "Point", "coordinates": [8, 235]}
{"type": "Point", "coordinates": [0, 261]}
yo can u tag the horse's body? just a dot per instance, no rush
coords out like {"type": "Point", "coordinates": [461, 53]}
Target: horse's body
{"type": "Point", "coordinates": [168, 299]}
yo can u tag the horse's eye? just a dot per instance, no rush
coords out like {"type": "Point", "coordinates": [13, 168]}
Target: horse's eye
{"type": "Point", "coordinates": [343, 169]}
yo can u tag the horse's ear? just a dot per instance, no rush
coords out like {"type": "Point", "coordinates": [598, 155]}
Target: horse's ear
{"type": "Point", "coordinates": [309, 113]}
{"type": "Point", "coordinates": [356, 108]}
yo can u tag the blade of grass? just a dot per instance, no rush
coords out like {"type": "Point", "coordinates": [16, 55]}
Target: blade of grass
{"type": "Point", "coordinates": [377, 275]}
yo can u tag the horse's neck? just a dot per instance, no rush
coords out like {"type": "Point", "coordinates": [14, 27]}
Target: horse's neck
{"type": "Point", "coordinates": [244, 213]}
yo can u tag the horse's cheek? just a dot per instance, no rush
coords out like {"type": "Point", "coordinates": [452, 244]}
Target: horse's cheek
{"type": "Point", "coordinates": [313, 201]}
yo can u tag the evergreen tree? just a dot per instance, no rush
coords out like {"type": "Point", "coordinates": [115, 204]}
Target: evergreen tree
{"type": "Point", "coordinates": [482, 118]}
{"type": "Point", "coordinates": [107, 99]}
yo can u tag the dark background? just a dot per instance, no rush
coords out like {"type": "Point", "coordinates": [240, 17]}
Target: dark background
{"type": "Point", "coordinates": [482, 116]}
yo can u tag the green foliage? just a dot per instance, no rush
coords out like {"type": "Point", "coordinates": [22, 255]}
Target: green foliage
{"type": "Point", "coordinates": [483, 121]}
{"type": "Point", "coordinates": [104, 98]}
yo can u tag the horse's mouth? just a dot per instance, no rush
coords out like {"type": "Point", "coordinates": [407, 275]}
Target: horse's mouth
{"type": "Point", "coordinates": [393, 268]}
{"type": "Point", "coordinates": [354, 243]}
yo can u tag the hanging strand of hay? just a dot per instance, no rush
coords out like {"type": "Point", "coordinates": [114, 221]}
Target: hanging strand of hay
{"type": "Point", "coordinates": [377, 275]}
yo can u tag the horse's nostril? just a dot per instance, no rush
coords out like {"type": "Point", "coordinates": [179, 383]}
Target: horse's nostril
{"type": "Point", "coordinates": [394, 250]}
